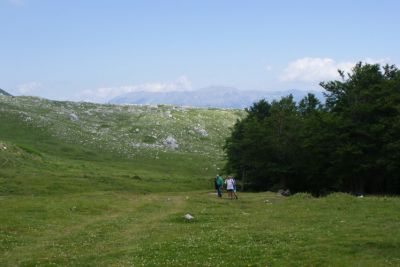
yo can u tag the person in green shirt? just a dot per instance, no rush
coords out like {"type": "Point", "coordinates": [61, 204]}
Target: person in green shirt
{"type": "Point", "coordinates": [218, 185]}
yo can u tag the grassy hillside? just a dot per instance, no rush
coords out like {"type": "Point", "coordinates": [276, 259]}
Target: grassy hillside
{"type": "Point", "coordinates": [70, 147]}
{"type": "Point", "coordinates": [99, 185]}
{"type": "Point", "coordinates": [126, 130]}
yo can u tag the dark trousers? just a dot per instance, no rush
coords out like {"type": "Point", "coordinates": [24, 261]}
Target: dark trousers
{"type": "Point", "coordinates": [219, 190]}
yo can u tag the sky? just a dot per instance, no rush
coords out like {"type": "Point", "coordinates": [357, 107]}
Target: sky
{"type": "Point", "coordinates": [96, 50]}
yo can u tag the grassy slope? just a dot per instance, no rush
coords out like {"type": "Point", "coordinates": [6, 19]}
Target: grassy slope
{"type": "Point", "coordinates": [108, 147]}
{"type": "Point", "coordinates": [66, 202]}
{"type": "Point", "coordinates": [29, 168]}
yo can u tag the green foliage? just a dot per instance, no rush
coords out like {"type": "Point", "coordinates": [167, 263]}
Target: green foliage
{"type": "Point", "coordinates": [350, 143]}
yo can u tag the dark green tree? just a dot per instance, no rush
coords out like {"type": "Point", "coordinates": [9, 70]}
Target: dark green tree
{"type": "Point", "coordinates": [350, 143]}
{"type": "Point", "coordinates": [262, 145]}
{"type": "Point", "coordinates": [366, 107]}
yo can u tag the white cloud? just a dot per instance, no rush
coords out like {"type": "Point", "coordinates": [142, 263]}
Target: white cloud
{"type": "Point", "coordinates": [315, 70]}
{"type": "Point", "coordinates": [29, 88]}
{"type": "Point", "coordinates": [106, 93]}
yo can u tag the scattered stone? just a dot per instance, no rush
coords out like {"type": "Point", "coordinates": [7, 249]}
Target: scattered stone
{"type": "Point", "coordinates": [168, 114]}
{"type": "Point", "coordinates": [171, 143]}
{"type": "Point", "coordinates": [188, 217]}
{"type": "Point", "coordinates": [27, 119]}
{"type": "Point", "coordinates": [201, 131]}
{"type": "Point", "coordinates": [284, 193]}
{"type": "Point", "coordinates": [73, 117]}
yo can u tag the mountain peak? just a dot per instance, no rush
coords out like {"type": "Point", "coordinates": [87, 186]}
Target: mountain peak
{"type": "Point", "coordinates": [2, 92]}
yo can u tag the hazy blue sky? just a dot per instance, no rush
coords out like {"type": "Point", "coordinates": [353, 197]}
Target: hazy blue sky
{"type": "Point", "coordinates": [95, 50]}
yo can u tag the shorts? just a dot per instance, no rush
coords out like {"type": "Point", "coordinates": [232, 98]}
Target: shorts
{"type": "Point", "coordinates": [229, 190]}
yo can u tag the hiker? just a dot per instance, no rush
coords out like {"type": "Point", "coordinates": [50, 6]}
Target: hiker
{"type": "Point", "coordinates": [230, 186]}
{"type": "Point", "coordinates": [218, 185]}
{"type": "Point", "coordinates": [234, 187]}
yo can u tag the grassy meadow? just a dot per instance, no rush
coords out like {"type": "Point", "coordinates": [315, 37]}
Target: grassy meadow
{"type": "Point", "coordinates": [109, 228]}
{"type": "Point", "coordinates": [91, 190]}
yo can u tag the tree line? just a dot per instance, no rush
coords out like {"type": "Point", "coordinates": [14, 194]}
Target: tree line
{"type": "Point", "coordinates": [350, 142]}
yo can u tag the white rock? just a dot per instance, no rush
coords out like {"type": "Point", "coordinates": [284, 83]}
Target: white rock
{"type": "Point", "coordinates": [170, 142]}
{"type": "Point", "coordinates": [201, 131]}
{"type": "Point", "coordinates": [188, 217]}
{"type": "Point", "coordinates": [73, 117]}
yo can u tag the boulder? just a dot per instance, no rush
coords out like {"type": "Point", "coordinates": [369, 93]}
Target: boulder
{"type": "Point", "coordinates": [285, 193]}
{"type": "Point", "coordinates": [73, 117]}
{"type": "Point", "coordinates": [201, 132]}
{"type": "Point", "coordinates": [171, 143]}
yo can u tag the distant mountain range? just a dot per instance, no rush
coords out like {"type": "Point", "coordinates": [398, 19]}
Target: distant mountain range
{"type": "Point", "coordinates": [217, 97]}
{"type": "Point", "coordinates": [2, 92]}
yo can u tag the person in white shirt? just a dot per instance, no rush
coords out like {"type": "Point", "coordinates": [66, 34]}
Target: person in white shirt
{"type": "Point", "coordinates": [230, 186]}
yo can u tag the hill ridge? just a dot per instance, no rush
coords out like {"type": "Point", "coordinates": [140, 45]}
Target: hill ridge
{"type": "Point", "coordinates": [5, 93]}
{"type": "Point", "coordinates": [127, 129]}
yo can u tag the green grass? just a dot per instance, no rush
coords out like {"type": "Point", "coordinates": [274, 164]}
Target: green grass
{"type": "Point", "coordinates": [68, 203]}
{"type": "Point", "coordinates": [110, 228]}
